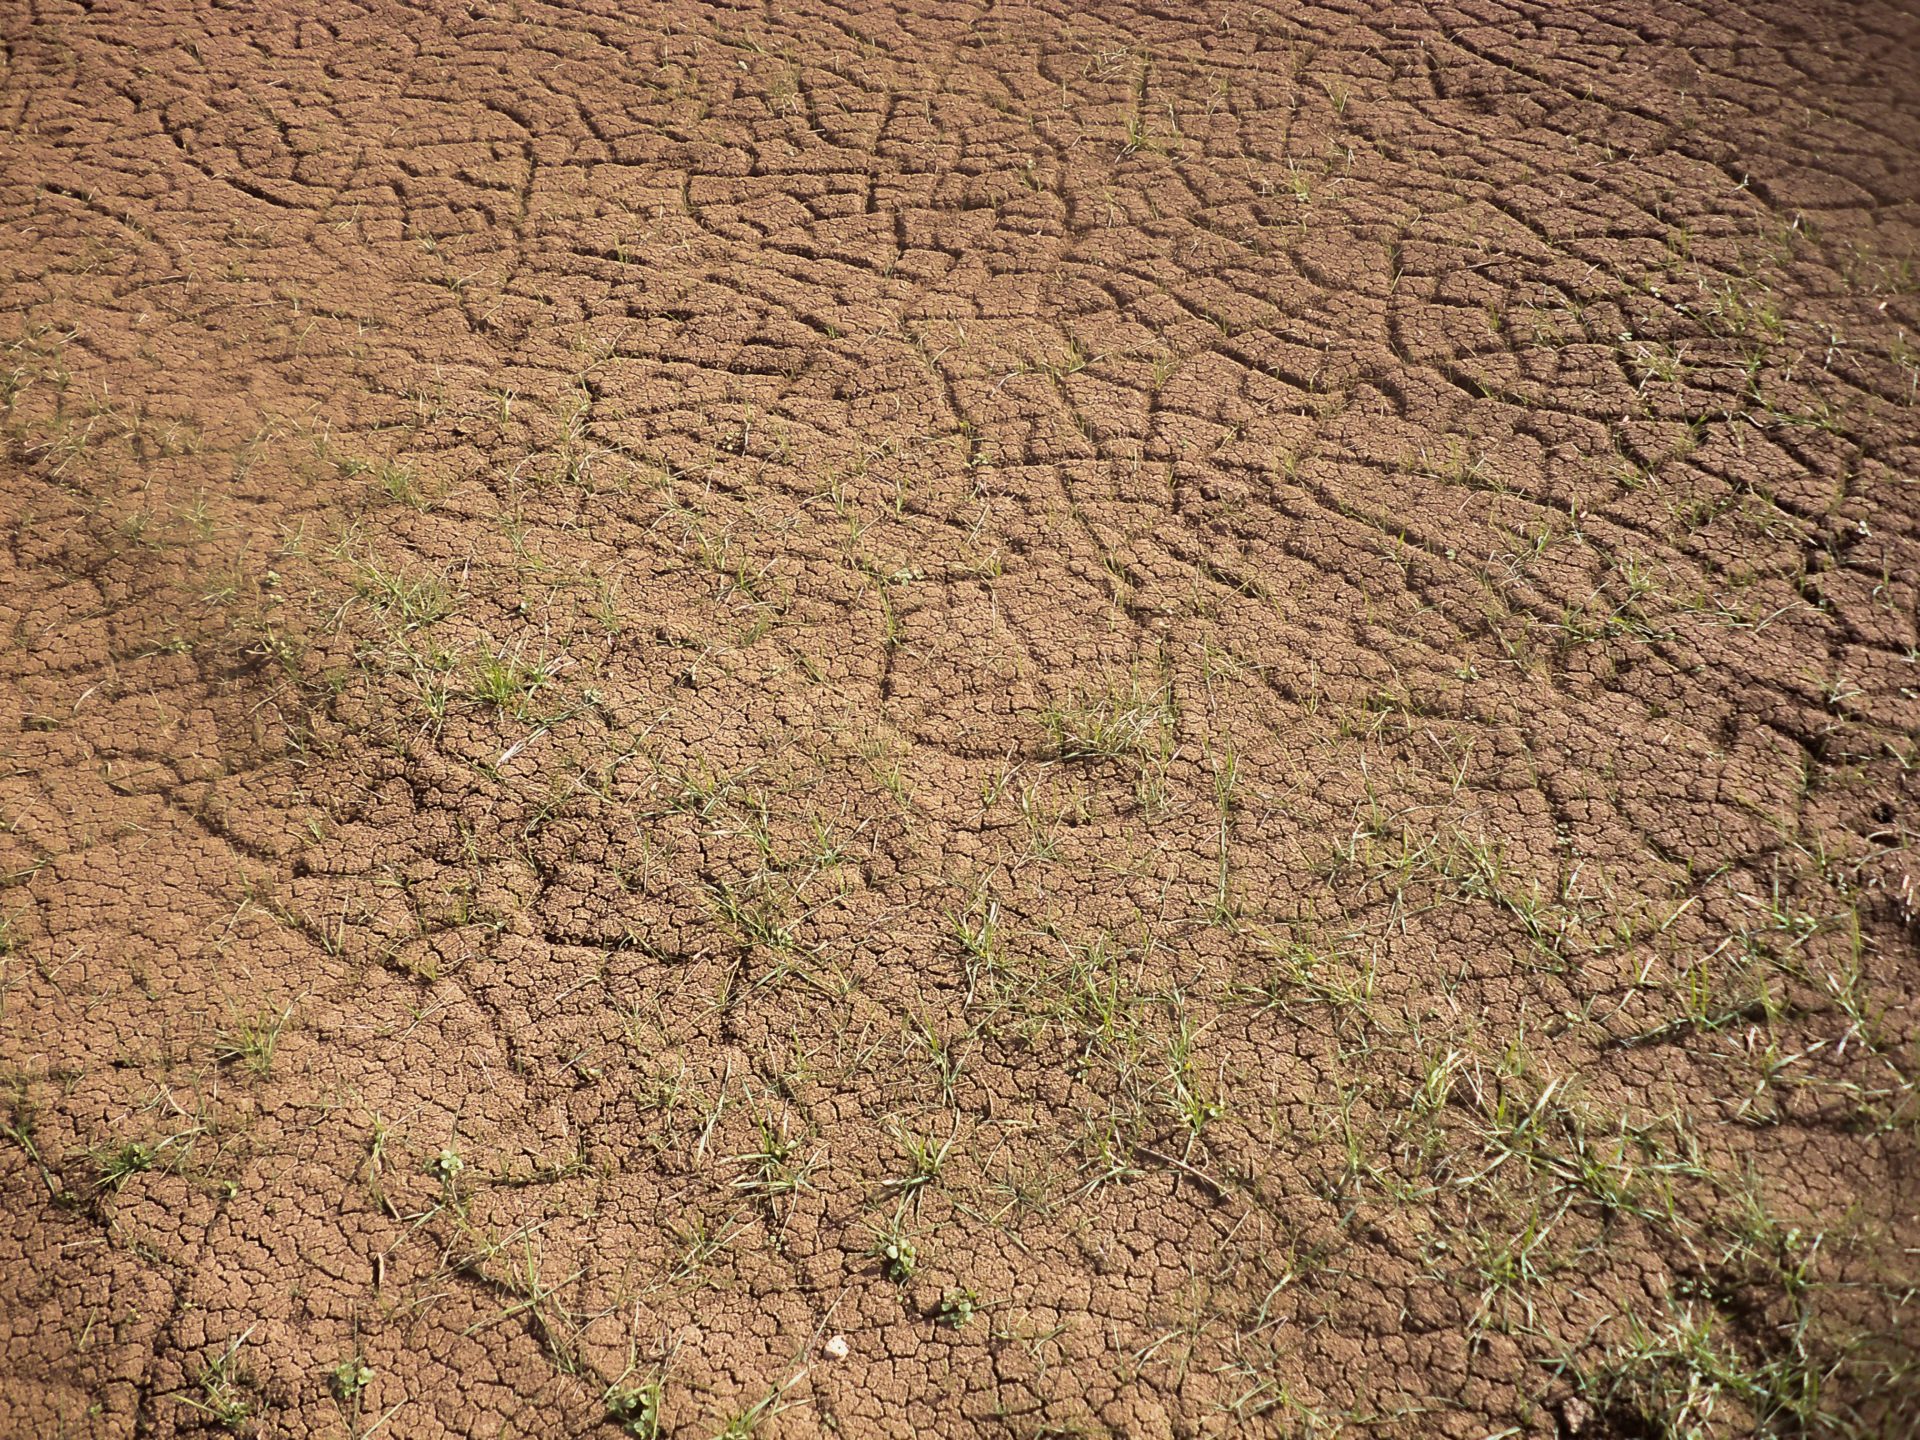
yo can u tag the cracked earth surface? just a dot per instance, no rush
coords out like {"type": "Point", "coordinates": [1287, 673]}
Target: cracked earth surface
{"type": "Point", "coordinates": [956, 720]}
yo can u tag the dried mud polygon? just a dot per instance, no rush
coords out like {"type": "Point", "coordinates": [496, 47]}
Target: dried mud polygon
{"type": "Point", "coordinates": [959, 720]}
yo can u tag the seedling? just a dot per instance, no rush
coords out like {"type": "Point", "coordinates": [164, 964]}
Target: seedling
{"type": "Point", "coordinates": [956, 1308]}
{"type": "Point", "coordinates": [251, 1044]}
{"type": "Point", "coordinates": [899, 1257]}
{"type": "Point", "coordinates": [506, 681]}
{"type": "Point", "coordinates": [121, 1163]}
{"type": "Point", "coordinates": [635, 1409]}
{"type": "Point", "coordinates": [927, 1157]}
{"type": "Point", "coordinates": [775, 1168]}
{"type": "Point", "coordinates": [222, 1382]}
{"type": "Point", "coordinates": [351, 1376]}
{"type": "Point", "coordinates": [401, 485]}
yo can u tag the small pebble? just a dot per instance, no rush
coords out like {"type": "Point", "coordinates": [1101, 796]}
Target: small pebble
{"type": "Point", "coordinates": [836, 1348]}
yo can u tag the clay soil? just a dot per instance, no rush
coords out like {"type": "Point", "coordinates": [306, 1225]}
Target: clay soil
{"type": "Point", "coordinates": [961, 720]}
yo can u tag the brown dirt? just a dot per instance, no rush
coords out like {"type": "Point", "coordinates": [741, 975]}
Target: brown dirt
{"type": "Point", "coordinates": [1249, 673]}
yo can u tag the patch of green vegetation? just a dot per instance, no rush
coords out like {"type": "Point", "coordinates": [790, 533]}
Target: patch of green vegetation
{"type": "Point", "coordinates": [1120, 724]}
{"type": "Point", "coordinates": [896, 1251]}
{"type": "Point", "coordinates": [350, 1377]}
{"type": "Point", "coordinates": [115, 1165]}
{"type": "Point", "coordinates": [956, 1308]}
{"type": "Point", "coordinates": [251, 1044]}
{"type": "Point", "coordinates": [635, 1409]}
{"type": "Point", "coordinates": [223, 1384]}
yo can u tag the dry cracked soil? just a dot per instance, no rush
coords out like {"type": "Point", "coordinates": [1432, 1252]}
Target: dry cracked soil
{"type": "Point", "coordinates": [1003, 719]}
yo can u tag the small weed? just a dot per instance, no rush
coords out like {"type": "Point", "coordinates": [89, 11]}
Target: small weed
{"type": "Point", "coordinates": [926, 1157]}
{"type": "Point", "coordinates": [446, 1167]}
{"type": "Point", "coordinates": [351, 1376]}
{"type": "Point", "coordinates": [956, 1308]}
{"type": "Point", "coordinates": [899, 1257]}
{"type": "Point", "coordinates": [775, 1169]}
{"type": "Point", "coordinates": [749, 1420]}
{"type": "Point", "coordinates": [222, 1383]}
{"type": "Point", "coordinates": [401, 485]}
{"type": "Point", "coordinates": [252, 1043]}
{"type": "Point", "coordinates": [507, 681]}
{"type": "Point", "coordinates": [120, 1163]}
{"type": "Point", "coordinates": [635, 1409]}
{"type": "Point", "coordinates": [1120, 724]}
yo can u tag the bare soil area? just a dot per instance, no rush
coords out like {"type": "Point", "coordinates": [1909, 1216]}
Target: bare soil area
{"type": "Point", "coordinates": [919, 719]}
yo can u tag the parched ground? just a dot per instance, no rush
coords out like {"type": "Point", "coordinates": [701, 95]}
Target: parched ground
{"type": "Point", "coordinates": [960, 720]}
